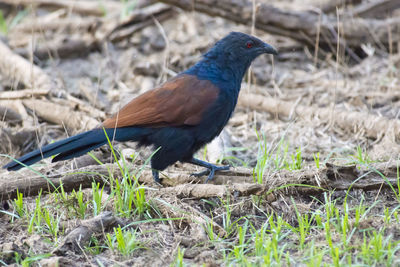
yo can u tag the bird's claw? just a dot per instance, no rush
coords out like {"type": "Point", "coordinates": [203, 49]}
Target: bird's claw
{"type": "Point", "coordinates": [199, 174]}
{"type": "Point", "coordinates": [210, 171]}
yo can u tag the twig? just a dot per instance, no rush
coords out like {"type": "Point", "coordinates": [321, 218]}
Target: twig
{"type": "Point", "coordinates": [26, 93]}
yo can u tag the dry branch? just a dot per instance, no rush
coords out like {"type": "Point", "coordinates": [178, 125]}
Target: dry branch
{"type": "Point", "coordinates": [115, 30]}
{"type": "Point", "coordinates": [78, 104]}
{"type": "Point", "coordinates": [372, 125]}
{"type": "Point", "coordinates": [61, 115]}
{"type": "Point", "coordinates": [76, 240]}
{"type": "Point", "coordinates": [68, 48]}
{"type": "Point", "coordinates": [30, 185]}
{"type": "Point", "coordinates": [375, 9]}
{"type": "Point", "coordinates": [94, 32]}
{"type": "Point", "coordinates": [94, 8]}
{"type": "Point", "coordinates": [331, 6]}
{"type": "Point", "coordinates": [27, 93]}
{"type": "Point", "coordinates": [211, 190]}
{"type": "Point", "coordinates": [326, 178]}
{"type": "Point", "coordinates": [301, 26]}
{"type": "Point", "coordinates": [17, 106]}
{"type": "Point", "coordinates": [45, 24]}
{"type": "Point", "coordinates": [18, 68]}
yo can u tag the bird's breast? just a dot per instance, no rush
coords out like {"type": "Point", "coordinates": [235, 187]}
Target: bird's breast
{"type": "Point", "coordinates": [216, 117]}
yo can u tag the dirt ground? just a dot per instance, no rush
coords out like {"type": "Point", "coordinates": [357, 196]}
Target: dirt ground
{"type": "Point", "coordinates": [115, 72]}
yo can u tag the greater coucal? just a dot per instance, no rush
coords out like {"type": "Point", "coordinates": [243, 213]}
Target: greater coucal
{"type": "Point", "coordinates": [179, 116]}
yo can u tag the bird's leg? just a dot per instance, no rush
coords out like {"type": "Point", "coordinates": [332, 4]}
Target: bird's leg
{"type": "Point", "coordinates": [211, 168]}
{"type": "Point", "coordinates": [156, 176]}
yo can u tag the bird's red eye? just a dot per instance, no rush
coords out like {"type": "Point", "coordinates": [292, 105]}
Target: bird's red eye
{"type": "Point", "coordinates": [249, 44]}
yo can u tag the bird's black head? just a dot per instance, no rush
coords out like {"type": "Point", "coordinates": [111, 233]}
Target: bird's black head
{"type": "Point", "coordinates": [237, 50]}
{"type": "Point", "coordinates": [238, 46]}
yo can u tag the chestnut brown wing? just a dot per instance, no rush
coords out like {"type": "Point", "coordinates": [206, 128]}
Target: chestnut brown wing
{"type": "Point", "coordinates": [180, 101]}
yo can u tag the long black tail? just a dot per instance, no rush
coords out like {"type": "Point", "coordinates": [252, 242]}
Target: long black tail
{"type": "Point", "coordinates": [76, 145]}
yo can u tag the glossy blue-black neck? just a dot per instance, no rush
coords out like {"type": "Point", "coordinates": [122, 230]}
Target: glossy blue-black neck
{"type": "Point", "coordinates": [221, 68]}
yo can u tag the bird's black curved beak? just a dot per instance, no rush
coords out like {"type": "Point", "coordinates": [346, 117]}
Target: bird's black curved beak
{"type": "Point", "coordinates": [269, 49]}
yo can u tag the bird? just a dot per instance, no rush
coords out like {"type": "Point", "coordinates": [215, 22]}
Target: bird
{"type": "Point", "coordinates": [176, 118]}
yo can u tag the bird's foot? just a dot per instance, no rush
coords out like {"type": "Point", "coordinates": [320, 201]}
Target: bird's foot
{"type": "Point", "coordinates": [210, 171]}
{"type": "Point", "coordinates": [156, 176]}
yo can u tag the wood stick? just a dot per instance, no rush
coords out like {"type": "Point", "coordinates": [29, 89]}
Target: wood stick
{"type": "Point", "coordinates": [25, 93]}
{"type": "Point", "coordinates": [105, 29]}
{"type": "Point", "coordinates": [18, 107]}
{"type": "Point", "coordinates": [94, 8]}
{"type": "Point", "coordinates": [76, 240]}
{"type": "Point", "coordinates": [68, 48]}
{"type": "Point", "coordinates": [115, 30]}
{"type": "Point", "coordinates": [44, 24]}
{"type": "Point", "coordinates": [375, 9]}
{"type": "Point", "coordinates": [326, 178]}
{"type": "Point", "coordinates": [373, 125]}
{"type": "Point", "coordinates": [61, 115]}
{"type": "Point", "coordinates": [212, 190]}
{"type": "Point", "coordinates": [330, 6]}
{"type": "Point", "coordinates": [301, 26]}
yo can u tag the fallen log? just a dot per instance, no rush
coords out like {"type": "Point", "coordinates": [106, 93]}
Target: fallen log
{"type": "Point", "coordinates": [373, 125]}
{"type": "Point", "coordinates": [238, 182]}
{"type": "Point", "coordinates": [304, 26]}
{"type": "Point", "coordinates": [31, 184]}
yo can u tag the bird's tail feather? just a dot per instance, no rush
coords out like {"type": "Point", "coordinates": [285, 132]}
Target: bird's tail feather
{"type": "Point", "coordinates": [76, 145]}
